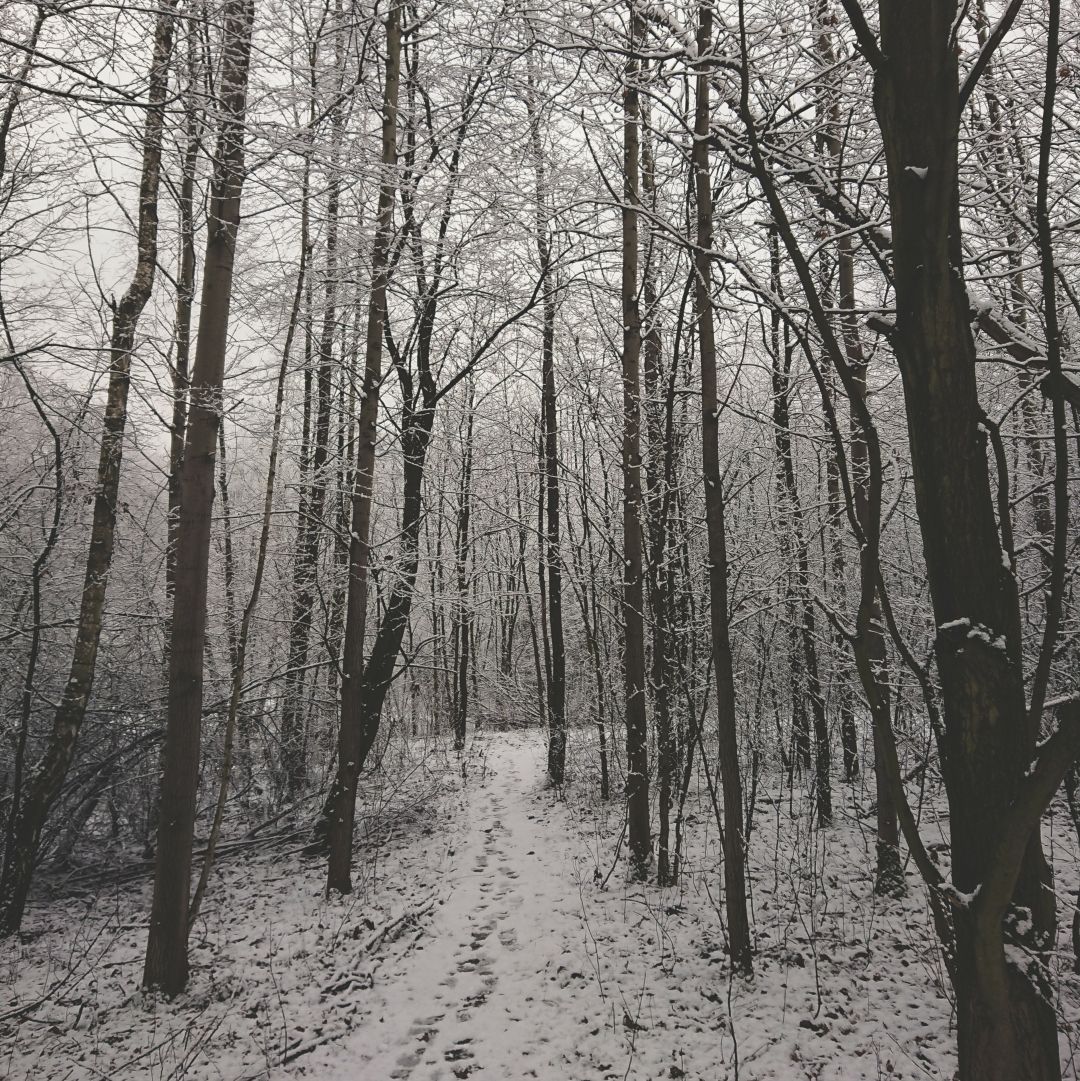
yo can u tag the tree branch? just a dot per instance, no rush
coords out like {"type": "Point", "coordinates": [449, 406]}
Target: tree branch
{"type": "Point", "coordinates": [987, 51]}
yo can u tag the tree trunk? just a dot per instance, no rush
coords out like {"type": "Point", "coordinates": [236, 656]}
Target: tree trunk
{"type": "Point", "coordinates": [801, 602]}
{"type": "Point", "coordinates": [340, 824]}
{"type": "Point", "coordinates": [166, 951]}
{"type": "Point", "coordinates": [731, 781]}
{"type": "Point", "coordinates": [550, 538]}
{"type": "Point", "coordinates": [1005, 1021]}
{"type": "Point", "coordinates": [889, 870]}
{"type": "Point", "coordinates": [50, 771]}
{"type": "Point", "coordinates": [637, 738]}
{"type": "Point", "coordinates": [462, 618]}
{"type": "Point", "coordinates": [310, 525]}
{"type": "Point", "coordinates": [185, 298]}
{"type": "Point", "coordinates": [658, 484]}
{"type": "Point", "coordinates": [243, 633]}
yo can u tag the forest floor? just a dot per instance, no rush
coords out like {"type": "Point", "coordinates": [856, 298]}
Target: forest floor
{"type": "Point", "coordinates": [489, 937]}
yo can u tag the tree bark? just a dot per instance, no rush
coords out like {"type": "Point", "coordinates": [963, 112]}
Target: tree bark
{"type": "Point", "coordinates": [462, 604]}
{"type": "Point", "coordinates": [340, 824]}
{"type": "Point", "coordinates": [802, 604]}
{"type": "Point", "coordinates": [185, 298]}
{"type": "Point", "coordinates": [310, 525]}
{"type": "Point", "coordinates": [166, 951]}
{"type": "Point", "coordinates": [550, 537]}
{"type": "Point", "coordinates": [659, 478]}
{"type": "Point", "coordinates": [1005, 1021]}
{"type": "Point", "coordinates": [50, 771]}
{"type": "Point", "coordinates": [243, 633]}
{"type": "Point", "coordinates": [730, 776]}
{"type": "Point", "coordinates": [637, 745]}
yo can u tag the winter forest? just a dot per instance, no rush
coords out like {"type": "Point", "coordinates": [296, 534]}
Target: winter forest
{"type": "Point", "coordinates": [540, 541]}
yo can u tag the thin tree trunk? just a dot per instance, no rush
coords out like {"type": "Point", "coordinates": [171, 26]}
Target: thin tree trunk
{"type": "Point", "coordinates": [534, 636]}
{"type": "Point", "coordinates": [549, 539]}
{"type": "Point", "coordinates": [889, 871]}
{"type": "Point", "coordinates": [310, 526]}
{"type": "Point", "coordinates": [185, 298]}
{"type": "Point", "coordinates": [731, 781]}
{"type": "Point", "coordinates": [462, 616]}
{"type": "Point", "coordinates": [49, 773]}
{"type": "Point", "coordinates": [637, 739]}
{"type": "Point", "coordinates": [802, 602]}
{"type": "Point", "coordinates": [243, 634]}
{"type": "Point", "coordinates": [343, 795]}
{"type": "Point", "coordinates": [659, 442]}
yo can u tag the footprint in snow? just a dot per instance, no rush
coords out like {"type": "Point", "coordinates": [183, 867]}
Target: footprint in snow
{"type": "Point", "coordinates": [461, 1059]}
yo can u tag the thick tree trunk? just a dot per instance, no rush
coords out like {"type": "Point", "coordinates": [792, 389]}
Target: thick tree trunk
{"type": "Point", "coordinates": [637, 738]}
{"type": "Point", "coordinates": [1005, 1019]}
{"type": "Point", "coordinates": [166, 951]}
{"type": "Point", "coordinates": [731, 780]}
{"type": "Point", "coordinates": [29, 818]}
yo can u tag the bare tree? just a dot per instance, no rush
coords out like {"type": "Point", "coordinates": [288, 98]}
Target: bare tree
{"type": "Point", "coordinates": [731, 778]}
{"type": "Point", "coordinates": [167, 945]}
{"type": "Point", "coordinates": [637, 747]}
{"type": "Point", "coordinates": [342, 800]}
{"type": "Point", "coordinates": [29, 818]}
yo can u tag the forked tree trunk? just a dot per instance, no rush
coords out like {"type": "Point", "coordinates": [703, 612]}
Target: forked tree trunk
{"type": "Point", "coordinates": [343, 793]}
{"type": "Point", "coordinates": [730, 776]}
{"type": "Point", "coordinates": [637, 737]}
{"type": "Point", "coordinates": [25, 831]}
{"type": "Point", "coordinates": [166, 950]}
{"type": "Point", "coordinates": [1005, 1019]}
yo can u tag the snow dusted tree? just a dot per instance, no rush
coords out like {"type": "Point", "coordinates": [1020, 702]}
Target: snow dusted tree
{"type": "Point", "coordinates": [28, 818]}
{"type": "Point", "coordinates": [998, 783]}
{"type": "Point", "coordinates": [698, 395]}
{"type": "Point", "coordinates": [167, 945]}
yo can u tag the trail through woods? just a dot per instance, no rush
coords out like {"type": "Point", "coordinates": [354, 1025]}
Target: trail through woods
{"type": "Point", "coordinates": [507, 949]}
{"type": "Point", "coordinates": [482, 941]}
{"type": "Point", "coordinates": [533, 967]}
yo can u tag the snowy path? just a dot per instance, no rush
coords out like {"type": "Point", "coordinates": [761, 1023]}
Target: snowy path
{"type": "Point", "coordinates": [509, 960]}
{"type": "Point", "coordinates": [528, 968]}
{"type": "Point", "coordinates": [496, 985]}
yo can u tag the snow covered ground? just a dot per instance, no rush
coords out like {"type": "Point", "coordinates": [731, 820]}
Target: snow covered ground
{"type": "Point", "coordinates": [482, 942]}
